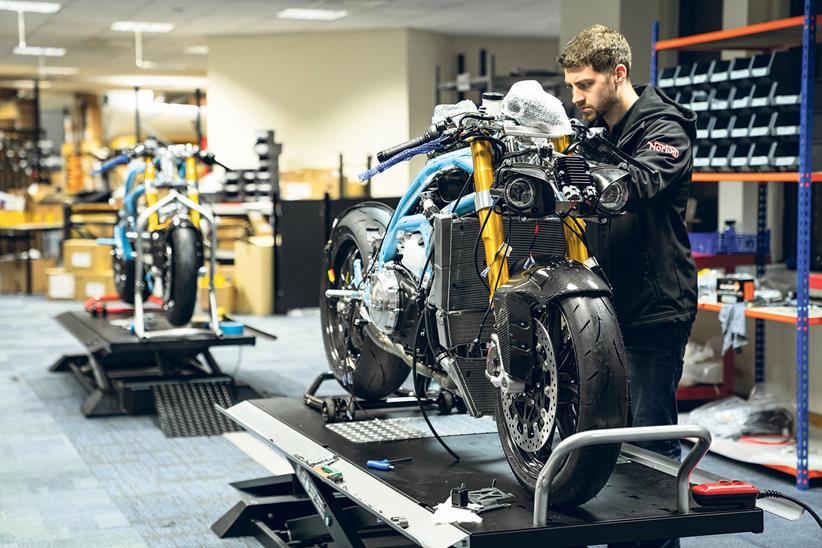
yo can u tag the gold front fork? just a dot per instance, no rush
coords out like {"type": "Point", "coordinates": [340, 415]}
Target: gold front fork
{"type": "Point", "coordinates": [576, 249]}
{"type": "Point", "coordinates": [493, 235]}
{"type": "Point", "coordinates": [572, 228]}
{"type": "Point", "coordinates": [191, 185]}
{"type": "Point", "coordinates": [151, 193]}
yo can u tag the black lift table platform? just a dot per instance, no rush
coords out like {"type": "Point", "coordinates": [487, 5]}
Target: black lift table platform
{"type": "Point", "coordinates": [638, 503]}
{"type": "Point", "coordinates": [119, 369]}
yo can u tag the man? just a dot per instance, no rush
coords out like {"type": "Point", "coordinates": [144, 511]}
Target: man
{"type": "Point", "coordinates": [645, 253]}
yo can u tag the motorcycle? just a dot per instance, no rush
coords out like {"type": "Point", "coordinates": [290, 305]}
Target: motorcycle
{"type": "Point", "coordinates": [526, 333]}
{"type": "Point", "coordinates": [163, 242]}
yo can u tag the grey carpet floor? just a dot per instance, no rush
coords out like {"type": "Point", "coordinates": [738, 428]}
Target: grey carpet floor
{"type": "Point", "coordinates": [70, 481]}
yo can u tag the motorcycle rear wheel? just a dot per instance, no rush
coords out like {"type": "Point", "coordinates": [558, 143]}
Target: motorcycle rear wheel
{"type": "Point", "coordinates": [359, 365]}
{"type": "Point", "coordinates": [124, 280]}
{"type": "Point", "coordinates": [589, 392]}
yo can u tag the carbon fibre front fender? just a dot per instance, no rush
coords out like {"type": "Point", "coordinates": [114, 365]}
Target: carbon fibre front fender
{"type": "Point", "coordinates": [528, 293]}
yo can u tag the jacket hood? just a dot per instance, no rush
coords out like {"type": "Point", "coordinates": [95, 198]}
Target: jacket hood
{"type": "Point", "coordinates": [652, 104]}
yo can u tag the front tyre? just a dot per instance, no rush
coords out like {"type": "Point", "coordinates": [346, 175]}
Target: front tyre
{"type": "Point", "coordinates": [185, 260]}
{"type": "Point", "coordinates": [579, 383]}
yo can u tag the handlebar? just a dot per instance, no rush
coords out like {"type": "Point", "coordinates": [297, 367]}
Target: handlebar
{"type": "Point", "coordinates": [430, 134]}
{"type": "Point", "coordinates": [114, 162]}
{"type": "Point", "coordinates": [147, 151]}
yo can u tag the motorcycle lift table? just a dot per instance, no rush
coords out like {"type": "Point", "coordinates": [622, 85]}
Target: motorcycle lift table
{"type": "Point", "coordinates": [124, 375]}
{"type": "Point", "coordinates": [395, 508]}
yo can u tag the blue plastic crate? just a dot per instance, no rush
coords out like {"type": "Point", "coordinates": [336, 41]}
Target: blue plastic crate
{"type": "Point", "coordinates": [714, 243]}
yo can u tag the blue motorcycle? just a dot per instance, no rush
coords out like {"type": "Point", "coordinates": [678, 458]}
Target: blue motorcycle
{"type": "Point", "coordinates": [162, 243]}
{"type": "Point", "coordinates": [524, 330]}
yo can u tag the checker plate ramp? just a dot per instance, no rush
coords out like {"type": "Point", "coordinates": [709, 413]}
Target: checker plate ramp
{"type": "Point", "coordinates": [187, 409]}
{"type": "Point", "coordinates": [411, 428]}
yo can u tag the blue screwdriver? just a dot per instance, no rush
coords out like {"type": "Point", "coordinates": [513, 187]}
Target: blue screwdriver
{"type": "Point", "coordinates": [385, 464]}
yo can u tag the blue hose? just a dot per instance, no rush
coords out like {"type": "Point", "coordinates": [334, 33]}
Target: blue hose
{"type": "Point", "coordinates": [114, 162]}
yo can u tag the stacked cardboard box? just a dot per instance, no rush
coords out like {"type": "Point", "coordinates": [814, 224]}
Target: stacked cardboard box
{"type": "Point", "coordinates": [13, 274]}
{"type": "Point", "coordinates": [223, 289]}
{"type": "Point", "coordinates": [86, 269]}
{"type": "Point", "coordinates": [253, 276]}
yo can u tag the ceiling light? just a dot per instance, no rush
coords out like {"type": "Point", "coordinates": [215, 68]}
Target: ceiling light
{"type": "Point", "coordinates": [312, 14]}
{"type": "Point", "coordinates": [31, 7]}
{"type": "Point", "coordinates": [58, 71]}
{"type": "Point", "coordinates": [141, 26]}
{"type": "Point", "coordinates": [196, 50]}
{"type": "Point", "coordinates": [39, 51]}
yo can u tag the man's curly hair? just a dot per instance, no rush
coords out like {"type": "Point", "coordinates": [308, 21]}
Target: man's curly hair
{"type": "Point", "coordinates": [601, 47]}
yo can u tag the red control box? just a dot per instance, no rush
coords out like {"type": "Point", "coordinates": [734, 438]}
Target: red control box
{"type": "Point", "coordinates": [725, 493]}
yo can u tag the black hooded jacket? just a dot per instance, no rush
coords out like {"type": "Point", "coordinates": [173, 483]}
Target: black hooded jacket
{"type": "Point", "coordinates": [646, 253]}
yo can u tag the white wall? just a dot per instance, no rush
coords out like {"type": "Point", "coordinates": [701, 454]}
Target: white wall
{"type": "Point", "coordinates": [349, 92]}
{"type": "Point", "coordinates": [322, 93]}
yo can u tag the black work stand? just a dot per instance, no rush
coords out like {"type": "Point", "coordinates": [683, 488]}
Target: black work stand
{"type": "Point", "coordinates": [394, 508]}
{"type": "Point", "coordinates": [118, 371]}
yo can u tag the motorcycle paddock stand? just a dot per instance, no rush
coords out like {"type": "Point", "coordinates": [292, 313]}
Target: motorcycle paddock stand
{"type": "Point", "coordinates": [344, 408]}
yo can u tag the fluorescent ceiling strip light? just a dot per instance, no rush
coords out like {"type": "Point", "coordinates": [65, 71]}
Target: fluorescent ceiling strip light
{"type": "Point", "coordinates": [312, 14]}
{"type": "Point", "coordinates": [58, 71]}
{"type": "Point", "coordinates": [196, 50]}
{"type": "Point", "coordinates": [39, 51]}
{"type": "Point", "coordinates": [141, 26]}
{"type": "Point", "coordinates": [30, 7]}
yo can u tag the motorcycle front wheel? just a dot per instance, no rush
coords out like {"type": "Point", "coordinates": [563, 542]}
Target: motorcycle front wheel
{"type": "Point", "coordinates": [579, 383]}
{"type": "Point", "coordinates": [183, 266]}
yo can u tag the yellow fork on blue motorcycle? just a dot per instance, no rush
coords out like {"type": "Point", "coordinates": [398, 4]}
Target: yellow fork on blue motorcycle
{"type": "Point", "coordinates": [151, 194]}
{"type": "Point", "coordinates": [572, 229]}
{"type": "Point", "coordinates": [493, 235]}
{"type": "Point", "coordinates": [191, 184]}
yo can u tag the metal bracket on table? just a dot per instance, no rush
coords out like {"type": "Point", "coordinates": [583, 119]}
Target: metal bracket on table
{"type": "Point", "coordinates": [142, 222]}
{"type": "Point", "coordinates": [619, 435]}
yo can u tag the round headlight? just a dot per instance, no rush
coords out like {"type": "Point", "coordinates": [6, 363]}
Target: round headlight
{"type": "Point", "coordinates": [521, 194]}
{"type": "Point", "coordinates": [614, 197]}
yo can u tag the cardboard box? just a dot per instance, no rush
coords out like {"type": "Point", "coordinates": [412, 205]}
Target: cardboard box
{"type": "Point", "coordinates": [312, 184]}
{"type": "Point", "coordinates": [253, 278]}
{"type": "Point", "coordinates": [39, 279]}
{"type": "Point", "coordinates": [13, 274]}
{"type": "Point", "coordinates": [94, 284]}
{"type": "Point", "coordinates": [735, 289]}
{"type": "Point", "coordinates": [86, 257]}
{"type": "Point", "coordinates": [223, 289]}
{"type": "Point", "coordinates": [60, 284]}
{"type": "Point", "coordinates": [224, 295]}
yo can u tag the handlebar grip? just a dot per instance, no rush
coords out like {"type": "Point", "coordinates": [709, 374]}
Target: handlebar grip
{"type": "Point", "coordinates": [430, 134]}
{"type": "Point", "coordinates": [109, 164]}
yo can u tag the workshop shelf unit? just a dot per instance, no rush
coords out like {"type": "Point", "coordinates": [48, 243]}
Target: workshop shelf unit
{"type": "Point", "coordinates": [769, 37]}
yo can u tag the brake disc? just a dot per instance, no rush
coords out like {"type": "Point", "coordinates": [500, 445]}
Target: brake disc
{"type": "Point", "coordinates": [530, 415]}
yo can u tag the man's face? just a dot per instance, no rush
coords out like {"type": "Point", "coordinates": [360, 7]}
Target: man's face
{"type": "Point", "coordinates": [594, 93]}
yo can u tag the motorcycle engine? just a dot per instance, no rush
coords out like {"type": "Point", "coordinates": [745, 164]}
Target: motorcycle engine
{"type": "Point", "coordinates": [391, 300]}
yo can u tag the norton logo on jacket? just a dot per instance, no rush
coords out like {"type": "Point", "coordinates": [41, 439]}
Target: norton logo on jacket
{"type": "Point", "coordinates": [656, 146]}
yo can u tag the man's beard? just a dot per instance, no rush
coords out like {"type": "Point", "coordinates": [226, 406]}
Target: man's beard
{"type": "Point", "coordinates": [606, 103]}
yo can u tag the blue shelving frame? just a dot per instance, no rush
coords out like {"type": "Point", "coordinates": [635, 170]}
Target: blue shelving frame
{"type": "Point", "coordinates": [803, 230]}
{"type": "Point", "coordinates": [803, 242]}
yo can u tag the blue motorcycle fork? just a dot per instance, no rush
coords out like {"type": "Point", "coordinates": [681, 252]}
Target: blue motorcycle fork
{"type": "Point", "coordinates": [493, 233]}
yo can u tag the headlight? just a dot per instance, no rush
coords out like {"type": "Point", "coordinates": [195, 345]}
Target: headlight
{"type": "Point", "coordinates": [520, 194]}
{"type": "Point", "coordinates": [614, 197]}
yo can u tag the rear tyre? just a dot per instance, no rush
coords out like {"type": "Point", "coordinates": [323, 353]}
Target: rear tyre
{"type": "Point", "coordinates": [581, 385]}
{"type": "Point", "coordinates": [359, 365]}
{"type": "Point", "coordinates": [185, 260]}
{"type": "Point", "coordinates": [124, 280]}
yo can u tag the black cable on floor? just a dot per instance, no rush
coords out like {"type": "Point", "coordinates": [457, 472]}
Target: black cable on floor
{"type": "Point", "coordinates": [417, 394]}
{"type": "Point", "coordinates": [778, 495]}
